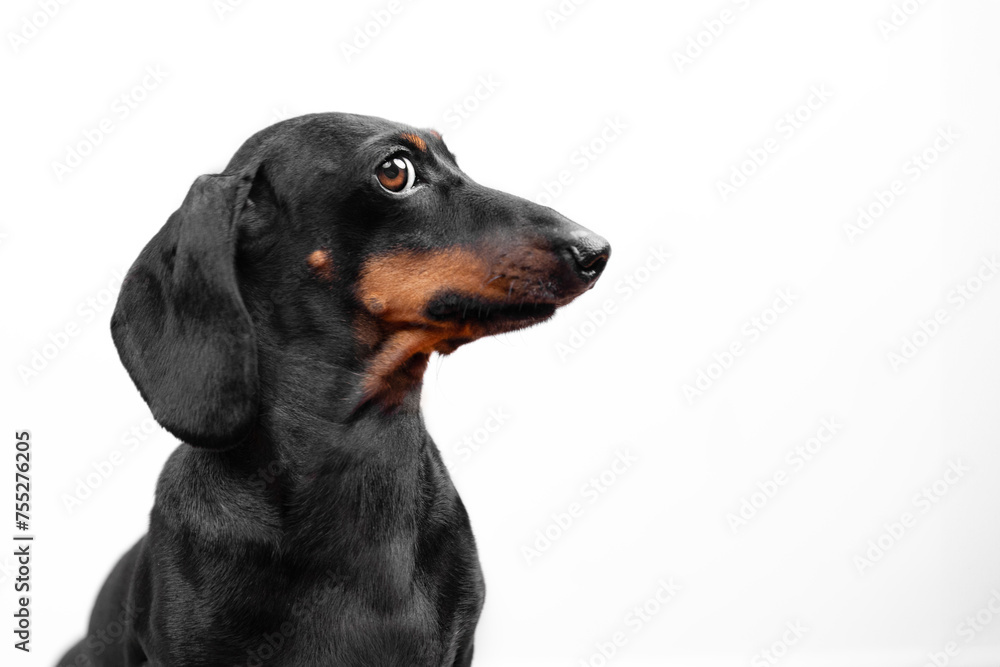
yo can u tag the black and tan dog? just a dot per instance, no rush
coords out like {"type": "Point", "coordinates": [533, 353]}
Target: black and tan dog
{"type": "Point", "coordinates": [279, 324]}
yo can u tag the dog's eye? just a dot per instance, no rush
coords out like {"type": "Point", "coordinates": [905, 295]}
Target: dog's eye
{"type": "Point", "coordinates": [396, 174]}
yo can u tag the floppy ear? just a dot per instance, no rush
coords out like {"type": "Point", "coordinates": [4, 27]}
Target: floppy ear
{"type": "Point", "coordinates": [181, 328]}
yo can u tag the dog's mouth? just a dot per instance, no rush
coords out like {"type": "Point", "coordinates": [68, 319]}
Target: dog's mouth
{"type": "Point", "coordinates": [421, 303]}
{"type": "Point", "coordinates": [448, 321]}
{"type": "Point", "coordinates": [489, 315]}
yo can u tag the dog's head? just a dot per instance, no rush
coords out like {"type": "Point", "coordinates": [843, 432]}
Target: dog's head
{"type": "Point", "coordinates": [344, 242]}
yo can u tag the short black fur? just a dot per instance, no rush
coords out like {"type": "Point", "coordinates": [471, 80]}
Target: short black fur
{"type": "Point", "coordinates": [308, 519]}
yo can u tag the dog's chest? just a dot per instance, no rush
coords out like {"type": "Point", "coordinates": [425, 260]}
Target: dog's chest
{"type": "Point", "coordinates": [332, 625]}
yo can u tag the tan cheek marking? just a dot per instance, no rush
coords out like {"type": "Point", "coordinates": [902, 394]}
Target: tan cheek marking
{"type": "Point", "coordinates": [417, 142]}
{"type": "Point", "coordinates": [321, 264]}
{"type": "Point", "coordinates": [398, 287]}
{"type": "Point", "coordinates": [395, 290]}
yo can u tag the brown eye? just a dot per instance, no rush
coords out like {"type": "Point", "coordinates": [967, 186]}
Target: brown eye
{"type": "Point", "coordinates": [396, 175]}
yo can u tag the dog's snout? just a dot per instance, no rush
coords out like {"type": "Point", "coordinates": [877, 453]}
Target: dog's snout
{"type": "Point", "coordinates": [589, 254]}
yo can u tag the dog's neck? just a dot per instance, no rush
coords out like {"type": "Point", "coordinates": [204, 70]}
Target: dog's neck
{"type": "Point", "coordinates": [315, 409]}
{"type": "Point", "coordinates": [327, 465]}
{"type": "Point", "coordinates": [312, 488]}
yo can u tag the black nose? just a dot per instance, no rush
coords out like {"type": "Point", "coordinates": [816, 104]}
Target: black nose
{"type": "Point", "coordinates": [590, 255]}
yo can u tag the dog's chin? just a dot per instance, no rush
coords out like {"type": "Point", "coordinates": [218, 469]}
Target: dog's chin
{"type": "Point", "coordinates": [507, 318]}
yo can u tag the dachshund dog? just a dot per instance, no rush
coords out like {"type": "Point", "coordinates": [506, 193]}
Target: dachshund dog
{"type": "Point", "coordinates": [279, 324]}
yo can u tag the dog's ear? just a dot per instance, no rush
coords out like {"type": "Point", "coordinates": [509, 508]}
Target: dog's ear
{"type": "Point", "coordinates": [180, 325]}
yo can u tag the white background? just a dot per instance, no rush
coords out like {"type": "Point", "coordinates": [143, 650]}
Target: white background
{"type": "Point", "coordinates": [686, 126]}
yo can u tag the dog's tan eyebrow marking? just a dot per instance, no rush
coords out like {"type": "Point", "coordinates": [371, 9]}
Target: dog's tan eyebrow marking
{"type": "Point", "coordinates": [436, 134]}
{"type": "Point", "coordinates": [321, 263]}
{"type": "Point", "coordinates": [414, 141]}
